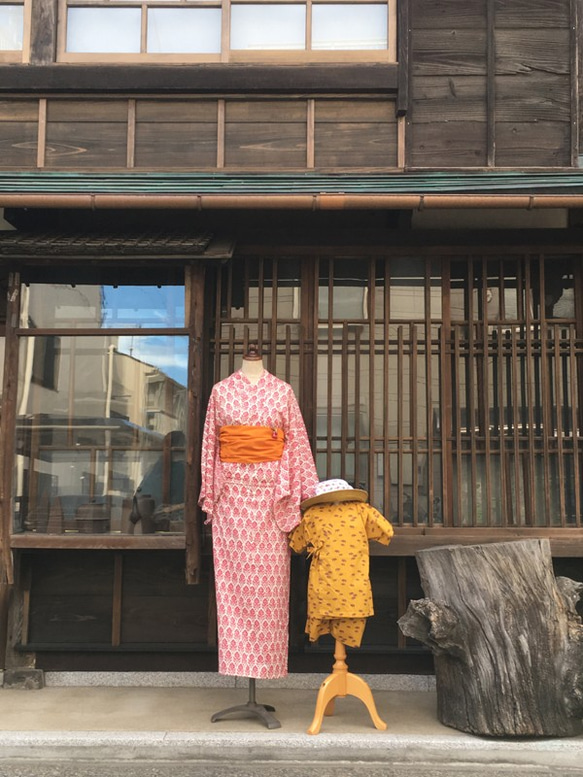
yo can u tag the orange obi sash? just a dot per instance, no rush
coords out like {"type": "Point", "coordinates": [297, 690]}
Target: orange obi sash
{"type": "Point", "coordinates": [250, 444]}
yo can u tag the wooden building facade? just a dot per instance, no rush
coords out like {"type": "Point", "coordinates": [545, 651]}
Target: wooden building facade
{"type": "Point", "coordinates": [385, 195]}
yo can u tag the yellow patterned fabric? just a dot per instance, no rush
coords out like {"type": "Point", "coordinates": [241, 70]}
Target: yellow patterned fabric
{"type": "Point", "coordinates": [336, 535]}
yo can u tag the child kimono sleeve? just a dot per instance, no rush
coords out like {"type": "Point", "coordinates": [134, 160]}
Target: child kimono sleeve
{"type": "Point", "coordinates": [297, 538]}
{"type": "Point", "coordinates": [377, 526]}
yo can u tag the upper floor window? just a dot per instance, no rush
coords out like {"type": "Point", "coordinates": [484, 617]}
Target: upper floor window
{"type": "Point", "coordinates": [228, 30]}
{"type": "Point", "coordinates": [12, 35]}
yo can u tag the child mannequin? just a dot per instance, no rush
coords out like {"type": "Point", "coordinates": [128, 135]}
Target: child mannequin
{"type": "Point", "coordinates": [335, 530]}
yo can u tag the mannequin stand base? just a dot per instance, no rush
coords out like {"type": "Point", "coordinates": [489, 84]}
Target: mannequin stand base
{"type": "Point", "coordinates": [342, 683]}
{"type": "Point", "coordinates": [250, 710]}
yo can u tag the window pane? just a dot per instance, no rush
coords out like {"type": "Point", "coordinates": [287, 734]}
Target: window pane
{"type": "Point", "coordinates": [268, 27]}
{"type": "Point", "coordinates": [349, 26]}
{"type": "Point", "coordinates": [101, 420]}
{"type": "Point", "coordinates": [11, 26]}
{"type": "Point", "coordinates": [101, 306]}
{"type": "Point", "coordinates": [104, 30]}
{"type": "Point", "coordinates": [184, 30]}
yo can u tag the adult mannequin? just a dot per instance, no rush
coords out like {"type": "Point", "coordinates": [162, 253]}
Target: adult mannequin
{"type": "Point", "coordinates": [257, 467]}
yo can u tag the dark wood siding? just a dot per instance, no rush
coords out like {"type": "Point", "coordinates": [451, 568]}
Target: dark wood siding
{"type": "Point", "coordinates": [491, 84]}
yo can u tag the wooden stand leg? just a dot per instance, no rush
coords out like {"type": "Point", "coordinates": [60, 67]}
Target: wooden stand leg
{"type": "Point", "coordinates": [342, 683]}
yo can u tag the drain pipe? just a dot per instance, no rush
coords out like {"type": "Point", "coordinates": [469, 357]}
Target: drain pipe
{"type": "Point", "coordinates": [322, 201]}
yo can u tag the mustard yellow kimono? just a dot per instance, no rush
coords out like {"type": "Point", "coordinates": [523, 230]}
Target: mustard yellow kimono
{"type": "Point", "coordinates": [336, 536]}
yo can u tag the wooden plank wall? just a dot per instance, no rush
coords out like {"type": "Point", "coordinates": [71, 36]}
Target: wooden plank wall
{"type": "Point", "coordinates": [86, 133]}
{"type": "Point", "coordinates": [491, 82]}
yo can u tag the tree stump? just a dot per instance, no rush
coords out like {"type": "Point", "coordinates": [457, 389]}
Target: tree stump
{"type": "Point", "coordinates": [506, 637]}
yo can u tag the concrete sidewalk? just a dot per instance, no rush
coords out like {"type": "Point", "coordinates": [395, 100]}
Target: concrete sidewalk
{"type": "Point", "coordinates": [134, 723]}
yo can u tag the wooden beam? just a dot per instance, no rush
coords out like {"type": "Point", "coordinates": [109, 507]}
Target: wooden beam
{"type": "Point", "coordinates": [43, 37]}
{"type": "Point", "coordinates": [201, 79]}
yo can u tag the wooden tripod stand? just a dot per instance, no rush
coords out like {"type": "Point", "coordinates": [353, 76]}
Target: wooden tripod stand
{"type": "Point", "coordinates": [342, 683]}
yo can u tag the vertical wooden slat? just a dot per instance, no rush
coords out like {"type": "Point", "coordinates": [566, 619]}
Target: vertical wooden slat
{"type": "Point", "coordinates": [470, 401]}
{"type": "Point", "coordinates": [344, 376]}
{"type": "Point", "coordinates": [485, 393]}
{"type": "Point", "coordinates": [446, 399]}
{"type": "Point", "coordinates": [558, 405]}
{"type": "Point", "coordinates": [311, 134]}
{"type": "Point", "coordinates": [403, 29]}
{"type": "Point", "coordinates": [574, 80]}
{"type": "Point", "coordinates": [515, 426]}
{"type": "Point", "coordinates": [357, 443]}
{"type": "Point", "coordinates": [428, 391]}
{"type": "Point", "coordinates": [459, 456]}
{"type": "Point", "coordinates": [272, 333]}
{"type": "Point", "coordinates": [371, 312]}
{"type": "Point", "coordinates": [400, 419]}
{"type": "Point", "coordinates": [413, 431]}
{"type": "Point", "coordinates": [546, 391]}
{"type": "Point", "coordinates": [226, 31]}
{"type": "Point", "coordinates": [491, 82]}
{"type": "Point", "coordinates": [131, 139]}
{"type": "Point", "coordinates": [330, 366]}
{"type": "Point", "coordinates": [117, 599]}
{"type": "Point", "coordinates": [530, 496]}
{"type": "Point", "coordinates": [573, 370]}
{"type": "Point", "coordinates": [498, 360]}
{"type": "Point", "coordinates": [221, 111]}
{"type": "Point", "coordinates": [195, 281]}
{"type": "Point", "coordinates": [386, 383]}
{"type": "Point", "coordinates": [42, 133]}
{"type": "Point", "coordinates": [144, 29]}
{"type": "Point", "coordinates": [40, 32]}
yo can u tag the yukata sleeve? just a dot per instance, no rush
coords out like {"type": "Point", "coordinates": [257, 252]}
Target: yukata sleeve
{"type": "Point", "coordinates": [298, 476]}
{"type": "Point", "coordinates": [377, 526]}
{"type": "Point", "coordinates": [297, 538]}
{"type": "Point", "coordinates": [210, 462]}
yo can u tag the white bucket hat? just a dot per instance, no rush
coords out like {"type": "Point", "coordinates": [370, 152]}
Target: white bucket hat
{"type": "Point", "coordinates": [335, 490]}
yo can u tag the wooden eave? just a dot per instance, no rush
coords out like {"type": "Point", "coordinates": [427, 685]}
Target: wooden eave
{"type": "Point", "coordinates": [367, 78]}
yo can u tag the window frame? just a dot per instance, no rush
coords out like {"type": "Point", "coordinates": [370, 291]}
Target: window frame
{"type": "Point", "coordinates": [228, 55]}
{"type": "Point", "coordinates": [23, 54]}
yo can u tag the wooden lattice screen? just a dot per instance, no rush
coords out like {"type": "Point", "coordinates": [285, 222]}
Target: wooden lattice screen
{"type": "Point", "coordinates": [448, 386]}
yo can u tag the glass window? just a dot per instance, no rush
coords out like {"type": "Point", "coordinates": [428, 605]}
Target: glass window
{"type": "Point", "coordinates": [188, 30]}
{"type": "Point", "coordinates": [106, 424]}
{"type": "Point", "coordinates": [73, 306]}
{"type": "Point", "coordinates": [342, 26]}
{"type": "Point", "coordinates": [11, 27]}
{"type": "Point", "coordinates": [222, 30]}
{"type": "Point", "coordinates": [104, 30]}
{"type": "Point", "coordinates": [268, 26]}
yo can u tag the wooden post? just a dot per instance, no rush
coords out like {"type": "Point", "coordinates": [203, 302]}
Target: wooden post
{"type": "Point", "coordinates": [506, 636]}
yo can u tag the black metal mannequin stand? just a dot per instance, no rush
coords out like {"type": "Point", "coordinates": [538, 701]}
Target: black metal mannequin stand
{"type": "Point", "coordinates": [251, 709]}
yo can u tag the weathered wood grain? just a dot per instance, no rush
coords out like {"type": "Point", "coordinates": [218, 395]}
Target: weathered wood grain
{"type": "Point", "coordinates": [18, 142]}
{"type": "Point", "coordinates": [175, 145]}
{"type": "Point", "coordinates": [527, 50]}
{"type": "Point", "coordinates": [506, 637]}
{"type": "Point", "coordinates": [355, 145]}
{"type": "Point", "coordinates": [534, 97]}
{"type": "Point", "coordinates": [532, 144]}
{"type": "Point", "coordinates": [532, 13]}
{"type": "Point", "coordinates": [85, 145]}
{"type": "Point", "coordinates": [448, 144]}
{"type": "Point", "coordinates": [447, 52]}
{"type": "Point", "coordinates": [87, 110]}
{"type": "Point", "coordinates": [176, 111]}
{"type": "Point", "coordinates": [449, 98]}
{"type": "Point", "coordinates": [273, 145]}
{"type": "Point", "coordinates": [447, 14]}
{"type": "Point", "coordinates": [43, 32]}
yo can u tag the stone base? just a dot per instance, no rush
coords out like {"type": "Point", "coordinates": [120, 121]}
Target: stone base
{"type": "Point", "coordinates": [24, 679]}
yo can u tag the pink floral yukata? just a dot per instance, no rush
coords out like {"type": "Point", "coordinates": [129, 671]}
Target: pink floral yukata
{"type": "Point", "coordinates": [252, 508]}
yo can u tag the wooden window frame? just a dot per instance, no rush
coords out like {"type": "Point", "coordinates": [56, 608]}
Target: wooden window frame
{"type": "Point", "coordinates": [226, 55]}
{"type": "Point", "coordinates": [19, 55]}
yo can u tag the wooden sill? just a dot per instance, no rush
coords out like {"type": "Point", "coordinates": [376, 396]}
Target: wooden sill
{"type": "Point", "coordinates": [565, 542]}
{"type": "Point", "coordinates": [100, 541]}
